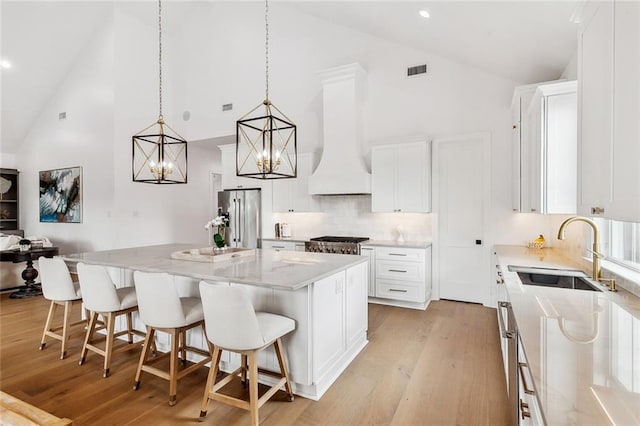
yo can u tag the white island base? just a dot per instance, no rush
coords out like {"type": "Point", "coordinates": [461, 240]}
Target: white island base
{"type": "Point", "coordinates": [330, 311]}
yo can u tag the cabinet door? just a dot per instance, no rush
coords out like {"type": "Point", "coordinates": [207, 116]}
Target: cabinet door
{"type": "Point", "coordinates": [595, 77]}
{"type": "Point", "coordinates": [383, 178]}
{"type": "Point", "coordinates": [625, 186]}
{"type": "Point", "coordinates": [281, 195]}
{"type": "Point", "coordinates": [413, 184]}
{"type": "Point", "coordinates": [356, 303]}
{"type": "Point", "coordinates": [532, 157]}
{"type": "Point", "coordinates": [328, 322]}
{"type": "Point", "coordinates": [301, 200]}
{"type": "Point", "coordinates": [229, 178]}
{"type": "Point", "coordinates": [371, 254]}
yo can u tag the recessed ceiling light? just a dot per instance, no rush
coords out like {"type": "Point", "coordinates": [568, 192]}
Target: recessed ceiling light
{"type": "Point", "coordinates": [5, 64]}
{"type": "Point", "coordinates": [424, 13]}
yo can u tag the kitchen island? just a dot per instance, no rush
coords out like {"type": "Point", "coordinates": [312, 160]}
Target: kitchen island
{"type": "Point", "coordinates": [325, 294]}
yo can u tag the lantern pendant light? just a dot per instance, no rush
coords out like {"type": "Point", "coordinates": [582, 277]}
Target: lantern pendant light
{"type": "Point", "coordinates": [159, 152]}
{"type": "Point", "coordinates": [265, 137]}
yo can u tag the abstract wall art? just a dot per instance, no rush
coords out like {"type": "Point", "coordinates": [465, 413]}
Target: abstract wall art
{"type": "Point", "coordinates": [61, 195]}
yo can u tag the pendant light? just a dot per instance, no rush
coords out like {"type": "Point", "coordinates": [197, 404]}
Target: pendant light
{"type": "Point", "coordinates": [159, 152]}
{"type": "Point", "coordinates": [265, 137]}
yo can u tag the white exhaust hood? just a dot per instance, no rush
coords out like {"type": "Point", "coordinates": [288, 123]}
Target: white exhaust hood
{"type": "Point", "coordinates": [342, 170]}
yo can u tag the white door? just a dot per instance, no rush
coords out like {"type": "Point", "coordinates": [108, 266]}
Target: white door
{"type": "Point", "coordinates": [461, 199]}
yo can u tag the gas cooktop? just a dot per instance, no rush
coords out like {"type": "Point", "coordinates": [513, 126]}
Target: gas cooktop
{"type": "Point", "coordinates": [332, 239]}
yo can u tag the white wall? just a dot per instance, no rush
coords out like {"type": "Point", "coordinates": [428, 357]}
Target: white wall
{"type": "Point", "coordinates": [83, 139]}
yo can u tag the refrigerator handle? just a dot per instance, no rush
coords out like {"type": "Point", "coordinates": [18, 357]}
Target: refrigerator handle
{"type": "Point", "coordinates": [239, 219]}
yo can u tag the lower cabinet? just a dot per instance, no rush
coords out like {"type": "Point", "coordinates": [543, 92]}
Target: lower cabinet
{"type": "Point", "coordinates": [401, 276]}
{"type": "Point", "coordinates": [370, 252]}
{"type": "Point", "coordinates": [282, 245]}
{"type": "Point", "coordinates": [529, 412]}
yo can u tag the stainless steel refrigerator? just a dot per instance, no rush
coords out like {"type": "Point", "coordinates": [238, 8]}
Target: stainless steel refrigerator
{"type": "Point", "coordinates": [243, 209]}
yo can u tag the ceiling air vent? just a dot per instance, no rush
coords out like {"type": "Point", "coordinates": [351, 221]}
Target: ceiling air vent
{"type": "Point", "coordinates": [418, 69]}
{"type": "Point", "coordinates": [227, 107]}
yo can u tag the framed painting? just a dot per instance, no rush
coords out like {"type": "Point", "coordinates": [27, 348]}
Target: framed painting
{"type": "Point", "coordinates": [61, 195]}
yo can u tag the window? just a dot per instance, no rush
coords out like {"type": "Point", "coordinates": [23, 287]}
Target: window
{"type": "Point", "coordinates": [620, 242]}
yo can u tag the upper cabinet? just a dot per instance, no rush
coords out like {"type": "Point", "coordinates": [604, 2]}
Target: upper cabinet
{"type": "Point", "coordinates": [229, 178]}
{"type": "Point", "coordinates": [292, 195]}
{"type": "Point", "coordinates": [9, 212]}
{"type": "Point", "coordinates": [401, 177]}
{"type": "Point", "coordinates": [545, 148]}
{"type": "Point", "coordinates": [609, 99]}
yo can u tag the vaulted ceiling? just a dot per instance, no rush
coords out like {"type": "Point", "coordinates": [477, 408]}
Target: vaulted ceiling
{"type": "Point", "coordinates": [525, 41]}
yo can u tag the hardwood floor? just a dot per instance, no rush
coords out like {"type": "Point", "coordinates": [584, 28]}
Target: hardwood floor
{"type": "Point", "coordinates": [441, 366]}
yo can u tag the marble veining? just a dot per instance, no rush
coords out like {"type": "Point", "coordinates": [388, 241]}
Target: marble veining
{"type": "Point", "coordinates": [582, 347]}
{"type": "Point", "coordinates": [288, 270]}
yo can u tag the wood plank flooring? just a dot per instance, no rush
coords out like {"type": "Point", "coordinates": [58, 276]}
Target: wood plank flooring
{"type": "Point", "coordinates": [441, 366]}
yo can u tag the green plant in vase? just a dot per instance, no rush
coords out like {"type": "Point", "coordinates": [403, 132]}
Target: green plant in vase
{"type": "Point", "coordinates": [220, 223]}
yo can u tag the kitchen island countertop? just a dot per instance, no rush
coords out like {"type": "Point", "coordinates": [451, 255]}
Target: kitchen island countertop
{"type": "Point", "coordinates": [582, 347]}
{"type": "Point", "coordinates": [284, 270]}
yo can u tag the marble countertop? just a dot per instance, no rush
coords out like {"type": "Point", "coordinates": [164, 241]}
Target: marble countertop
{"type": "Point", "coordinates": [289, 270]}
{"type": "Point", "coordinates": [582, 347]}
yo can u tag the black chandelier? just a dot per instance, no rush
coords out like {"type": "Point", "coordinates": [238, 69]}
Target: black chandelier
{"type": "Point", "coordinates": [159, 152]}
{"type": "Point", "coordinates": [266, 145]}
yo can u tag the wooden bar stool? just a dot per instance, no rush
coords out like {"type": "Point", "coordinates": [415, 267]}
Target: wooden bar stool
{"type": "Point", "coordinates": [162, 309]}
{"type": "Point", "coordinates": [59, 288]}
{"type": "Point", "coordinates": [101, 297]}
{"type": "Point", "coordinates": [232, 325]}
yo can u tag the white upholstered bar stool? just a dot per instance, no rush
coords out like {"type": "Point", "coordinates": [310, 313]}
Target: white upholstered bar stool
{"type": "Point", "coordinates": [232, 324]}
{"type": "Point", "coordinates": [162, 309]}
{"type": "Point", "coordinates": [101, 297]}
{"type": "Point", "coordinates": [59, 288]}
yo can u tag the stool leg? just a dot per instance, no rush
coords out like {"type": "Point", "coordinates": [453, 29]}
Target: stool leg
{"type": "Point", "coordinates": [211, 379]}
{"type": "Point", "coordinates": [47, 323]}
{"type": "Point", "coordinates": [253, 387]}
{"type": "Point", "coordinates": [148, 338]}
{"type": "Point", "coordinates": [183, 347]}
{"type": "Point", "coordinates": [65, 330]}
{"type": "Point", "coordinates": [129, 327]}
{"type": "Point", "coordinates": [88, 338]}
{"type": "Point", "coordinates": [173, 367]}
{"type": "Point", "coordinates": [283, 368]}
{"type": "Point", "coordinates": [243, 364]}
{"type": "Point", "coordinates": [108, 349]}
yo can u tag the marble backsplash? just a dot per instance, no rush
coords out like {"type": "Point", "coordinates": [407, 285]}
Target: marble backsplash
{"type": "Point", "coordinates": [351, 215]}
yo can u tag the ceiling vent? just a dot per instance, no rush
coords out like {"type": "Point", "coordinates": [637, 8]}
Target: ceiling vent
{"type": "Point", "coordinates": [417, 70]}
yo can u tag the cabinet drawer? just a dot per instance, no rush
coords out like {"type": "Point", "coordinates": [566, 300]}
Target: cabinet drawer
{"type": "Point", "coordinates": [393, 290]}
{"type": "Point", "coordinates": [405, 271]}
{"type": "Point", "coordinates": [402, 254]}
{"type": "Point", "coordinates": [278, 245]}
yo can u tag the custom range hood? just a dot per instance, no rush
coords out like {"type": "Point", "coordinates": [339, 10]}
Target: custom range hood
{"type": "Point", "coordinates": [342, 170]}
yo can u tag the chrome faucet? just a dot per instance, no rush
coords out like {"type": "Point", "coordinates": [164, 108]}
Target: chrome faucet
{"type": "Point", "coordinates": [595, 249]}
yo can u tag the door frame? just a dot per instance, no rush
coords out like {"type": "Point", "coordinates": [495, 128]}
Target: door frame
{"type": "Point", "coordinates": [487, 243]}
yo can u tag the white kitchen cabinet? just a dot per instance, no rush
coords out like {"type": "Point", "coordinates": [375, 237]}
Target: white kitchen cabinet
{"type": "Point", "coordinates": [529, 411]}
{"type": "Point", "coordinates": [401, 177]}
{"type": "Point", "coordinates": [402, 276]}
{"type": "Point", "coordinates": [544, 148]}
{"type": "Point", "coordinates": [609, 129]}
{"type": "Point", "coordinates": [292, 195]}
{"type": "Point", "coordinates": [328, 307]}
{"type": "Point", "coordinates": [356, 315]}
{"type": "Point", "coordinates": [229, 178]}
{"type": "Point", "coordinates": [370, 252]}
{"type": "Point", "coordinates": [521, 98]}
{"type": "Point", "coordinates": [282, 245]}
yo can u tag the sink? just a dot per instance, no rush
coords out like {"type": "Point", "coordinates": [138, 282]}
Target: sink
{"type": "Point", "coordinates": [558, 278]}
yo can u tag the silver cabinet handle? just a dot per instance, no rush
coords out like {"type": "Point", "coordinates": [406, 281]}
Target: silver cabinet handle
{"type": "Point", "coordinates": [277, 247]}
{"type": "Point", "coordinates": [396, 270]}
{"type": "Point", "coordinates": [397, 290]}
{"type": "Point", "coordinates": [524, 410]}
{"type": "Point", "coordinates": [397, 254]}
{"type": "Point", "coordinates": [521, 366]}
